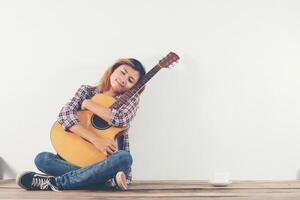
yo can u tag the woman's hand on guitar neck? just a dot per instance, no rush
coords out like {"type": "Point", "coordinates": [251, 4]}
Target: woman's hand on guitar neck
{"type": "Point", "coordinates": [106, 145]}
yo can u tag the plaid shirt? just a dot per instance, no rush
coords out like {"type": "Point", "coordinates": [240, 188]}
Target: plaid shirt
{"type": "Point", "coordinates": [120, 118]}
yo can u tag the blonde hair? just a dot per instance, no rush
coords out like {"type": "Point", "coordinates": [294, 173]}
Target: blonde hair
{"type": "Point", "coordinates": [104, 83]}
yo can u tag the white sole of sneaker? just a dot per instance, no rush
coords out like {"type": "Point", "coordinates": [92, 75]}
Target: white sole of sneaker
{"type": "Point", "coordinates": [121, 181]}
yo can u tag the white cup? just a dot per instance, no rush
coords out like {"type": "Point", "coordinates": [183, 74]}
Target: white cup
{"type": "Point", "coordinates": [221, 177]}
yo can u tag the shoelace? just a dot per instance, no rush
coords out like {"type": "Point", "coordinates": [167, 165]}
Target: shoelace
{"type": "Point", "coordinates": [44, 184]}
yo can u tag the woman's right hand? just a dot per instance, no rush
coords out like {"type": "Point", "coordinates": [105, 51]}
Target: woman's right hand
{"type": "Point", "coordinates": [105, 145]}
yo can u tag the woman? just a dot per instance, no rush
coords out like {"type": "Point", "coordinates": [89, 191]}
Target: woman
{"type": "Point", "coordinates": [115, 171]}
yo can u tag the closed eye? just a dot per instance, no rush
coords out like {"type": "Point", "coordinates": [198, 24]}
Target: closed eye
{"type": "Point", "coordinates": [130, 80]}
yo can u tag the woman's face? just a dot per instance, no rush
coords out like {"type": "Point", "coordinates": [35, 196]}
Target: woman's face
{"type": "Point", "coordinates": [123, 78]}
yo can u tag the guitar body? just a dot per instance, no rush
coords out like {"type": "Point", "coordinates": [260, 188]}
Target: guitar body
{"type": "Point", "coordinates": [74, 148]}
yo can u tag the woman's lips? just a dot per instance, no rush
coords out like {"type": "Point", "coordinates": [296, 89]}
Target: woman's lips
{"type": "Point", "coordinates": [119, 84]}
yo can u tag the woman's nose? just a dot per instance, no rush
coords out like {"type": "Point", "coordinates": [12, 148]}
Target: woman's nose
{"type": "Point", "coordinates": [123, 81]}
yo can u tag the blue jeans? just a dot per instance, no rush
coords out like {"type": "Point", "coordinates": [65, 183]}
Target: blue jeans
{"type": "Point", "coordinates": [69, 176]}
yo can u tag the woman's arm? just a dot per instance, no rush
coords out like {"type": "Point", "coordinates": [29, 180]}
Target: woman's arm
{"type": "Point", "coordinates": [125, 114]}
{"type": "Point", "coordinates": [101, 111]}
{"type": "Point", "coordinates": [106, 145]}
{"type": "Point", "coordinates": [69, 120]}
{"type": "Point", "coordinates": [67, 116]}
{"type": "Point", "coordinates": [119, 118]}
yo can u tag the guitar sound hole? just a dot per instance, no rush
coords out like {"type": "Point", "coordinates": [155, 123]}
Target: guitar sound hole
{"type": "Point", "coordinates": [99, 123]}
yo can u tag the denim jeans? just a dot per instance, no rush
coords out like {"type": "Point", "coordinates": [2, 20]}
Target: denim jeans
{"type": "Point", "coordinates": [69, 176]}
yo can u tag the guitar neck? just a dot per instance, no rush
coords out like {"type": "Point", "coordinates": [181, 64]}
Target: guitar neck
{"type": "Point", "coordinates": [135, 89]}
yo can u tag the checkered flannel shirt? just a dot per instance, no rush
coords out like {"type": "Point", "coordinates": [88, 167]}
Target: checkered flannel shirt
{"type": "Point", "coordinates": [120, 118]}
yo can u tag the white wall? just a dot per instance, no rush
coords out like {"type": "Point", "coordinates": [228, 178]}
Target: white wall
{"type": "Point", "coordinates": [231, 104]}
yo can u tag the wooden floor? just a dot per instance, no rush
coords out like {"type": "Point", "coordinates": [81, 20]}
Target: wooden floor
{"type": "Point", "coordinates": [238, 190]}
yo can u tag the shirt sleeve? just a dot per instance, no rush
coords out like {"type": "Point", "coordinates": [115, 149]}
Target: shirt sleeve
{"type": "Point", "coordinates": [124, 115]}
{"type": "Point", "coordinates": [67, 116]}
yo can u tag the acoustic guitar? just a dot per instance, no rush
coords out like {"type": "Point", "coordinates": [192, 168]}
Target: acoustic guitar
{"type": "Point", "coordinates": [79, 151]}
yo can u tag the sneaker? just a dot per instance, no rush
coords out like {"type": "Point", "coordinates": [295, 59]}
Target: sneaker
{"type": "Point", "coordinates": [118, 182]}
{"type": "Point", "coordinates": [36, 181]}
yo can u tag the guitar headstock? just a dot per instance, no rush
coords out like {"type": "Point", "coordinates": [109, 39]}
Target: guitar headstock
{"type": "Point", "coordinates": [168, 60]}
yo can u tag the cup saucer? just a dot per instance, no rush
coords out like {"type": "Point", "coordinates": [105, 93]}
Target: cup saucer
{"type": "Point", "coordinates": [220, 184]}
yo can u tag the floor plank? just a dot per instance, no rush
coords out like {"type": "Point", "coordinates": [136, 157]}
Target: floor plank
{"type": "Point", "coordinates": [238, 190]}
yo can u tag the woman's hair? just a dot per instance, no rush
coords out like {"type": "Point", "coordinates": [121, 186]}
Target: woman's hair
{"type": "Point", "coordinates": [104, 83]}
